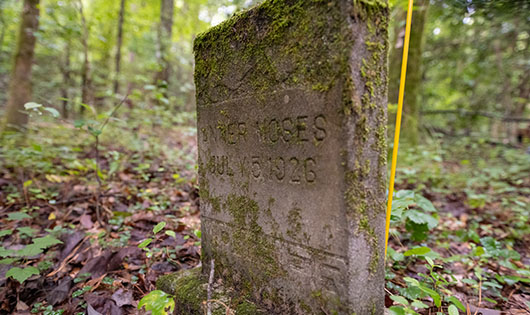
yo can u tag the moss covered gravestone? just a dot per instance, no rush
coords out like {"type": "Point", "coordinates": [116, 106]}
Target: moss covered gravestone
{"type": "Point", "coordinates": [291, 99]}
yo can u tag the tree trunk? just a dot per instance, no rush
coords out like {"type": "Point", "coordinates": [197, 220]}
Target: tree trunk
{"type": "Point", "coordinates": [396, 52]}
{"type": "Point", "coordinates": [164, 41]}
{"type": "Point", "coordinates": [66, 79]}
{"type": "Point", "coordinates": [2, 32]}
{"type": "Point", "coordinates": [119, 43]}
{"type": "Point", "coordinates": [411, 103]}
{"type": "Point", "coordinates": [86, 81]}
{"type": "Point", "coordinates": [20, 85]}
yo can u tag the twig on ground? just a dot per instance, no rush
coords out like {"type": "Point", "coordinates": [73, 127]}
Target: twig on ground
{"type": "Point", "coordinates": [210, 284]}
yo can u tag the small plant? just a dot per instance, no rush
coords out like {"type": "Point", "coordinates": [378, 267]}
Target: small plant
{"type": "Point", "coordinates": [45, 310]}
{"type": "Point", "coordinates": [156, 230]}
{"type": "Point", "coordinates": [158, 302]}
{"type": "Point", "coordinates": [418, 213]}
{"type": "Point", "coordinates": [37, 247]}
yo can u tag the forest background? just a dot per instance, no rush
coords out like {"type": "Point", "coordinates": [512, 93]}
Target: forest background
{"type": "Point", "coordinates": [101, 147]}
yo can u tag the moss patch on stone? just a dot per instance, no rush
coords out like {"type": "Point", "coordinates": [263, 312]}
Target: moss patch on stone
{"type": "Point", "coordinates": [271, 42]}
{"type": "Point", "coordinates": [189, 288]}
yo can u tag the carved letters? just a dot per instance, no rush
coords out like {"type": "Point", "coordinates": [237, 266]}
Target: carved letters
{"type": "Point", "coordinates": [296, 130]}
{"type": "Point", "coordinates": [307, 130]}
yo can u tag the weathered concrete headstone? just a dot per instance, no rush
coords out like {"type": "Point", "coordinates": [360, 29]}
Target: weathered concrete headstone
{"type": "Point", "coordinates": [291, 100]}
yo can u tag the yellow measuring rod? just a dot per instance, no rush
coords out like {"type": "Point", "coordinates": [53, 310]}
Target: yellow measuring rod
{"type": "Point", "coordinates": [398, 121]}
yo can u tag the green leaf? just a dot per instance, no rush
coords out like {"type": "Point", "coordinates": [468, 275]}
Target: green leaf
{"type": "Point", "coordinates": [394, 255]}
{"type": "Point", "coordinates": [478, 251]}
{"type": "Point", "coordinates": [79, 123]}
{"type": "Point", "coordinates": [159, 227]}
{"type": "Point", "coordinates": [429, 260]}
{"type": "Point", "coordinates": [5, 252]}
{"type": "Point", "coordinates": [170, 233]}
{"type": "Point", "coordinates": [419, 304]}
{"type": "Point", "coordinates": [158, 302]}
{"type": "Point", "coordinates": [417, 251]}
{"type": "Point", "coordinates": [419, 217]}
{"type": "Point", "coordinates": [31, 105]}
{"type": "Point", "coordinates": [26, 230]}
{"type": "Point", "coordinates": [490, 300]}
{"type": "Point", "coordinates": [399, 299]}
{"type": "Point", "coordinates": [7, 261]}
{"type": "Point", "coordinates": [6, 232]}
{"type": "Point", "coordinates": [453, 310]}
{"type": "Point", "coordinates": [424, 203]}
{"type": "Point", "coordinates": [418, 231]}
{"type": "Point", "coordinates": [145, 243]}
{"type": "Point", "coordinates": [53, 111]}
{"type": "Point", "coordinates": [411, 281]}
{"type": "Point", "coordinates": [433, 294]}
{"type": "Point", "coordinates": [20, 274]}
{"type": "Point", "coordinates": [29, 251]}
{"type": "Point", "coordinates": [27, 183]}
{"type": "Point", "coordinates": [396, 310]}
{"type": "Point", "coordinates": [46, 241]}
{"type": "Point", "coordinates": [93, 131]}
{"type": "Point", "coordinates": [14, 216]}
{"type": "Point", "coordinates": [88, 107]}
{"type": "Point", "coordinates": [470, 281]}
{"type": "Point", "coordinates": [456, 302]}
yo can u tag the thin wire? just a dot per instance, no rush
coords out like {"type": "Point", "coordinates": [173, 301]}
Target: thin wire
{"type": "Point", "coordinates": [398, 121]}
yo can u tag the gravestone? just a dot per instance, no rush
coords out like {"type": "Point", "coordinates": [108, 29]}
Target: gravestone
{"type": "Point", "coordinates": [291, 106]}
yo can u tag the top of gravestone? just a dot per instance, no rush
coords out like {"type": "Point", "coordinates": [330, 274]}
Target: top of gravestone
{"type": "Point", "coordinates": [275, 43]}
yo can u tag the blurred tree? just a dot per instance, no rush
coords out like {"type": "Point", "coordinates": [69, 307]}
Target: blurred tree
{"type": "Point", "coordinates": [86, 80]}
{"type": "Point", "coordinates": [164, 42]}
{"type": "Point", "coordinates": [118, 46]}
{"type": "Point", "coordinates": [20, 91]}
{"type": "Point", "coordinates": [411, 104]}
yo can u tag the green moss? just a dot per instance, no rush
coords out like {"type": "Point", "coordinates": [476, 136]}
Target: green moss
{"type": "Point", "coordinates": [246, 308]}
{"type": "Point", "coordinates": [333, 305]}
{"type": "Point", "coordinates": [249, 239]}
{"type": "Point", "coordinates": [357, 199]}
{"type": "Point", "coordinates": [279, 53]}
{"type": "Point", "coordinates": [189, 288]}
{"type": "Point", "coordinates": [204, 193]}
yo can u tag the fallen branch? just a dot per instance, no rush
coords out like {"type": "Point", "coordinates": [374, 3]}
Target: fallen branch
{"type": "Point", "coordinates": [463, 112]}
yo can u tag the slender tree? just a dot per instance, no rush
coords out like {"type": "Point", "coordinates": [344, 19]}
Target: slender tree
{"type": "Point", "coordinates": [20, 85]}
{"type": "Point", "coordinates": [119, 44]}
{"type": "Point", "coordinates": [3, 30]}
{"type": "Point", "coordinates": [411, 105]}
{"type": "Point", "coordinates": [86, 81]}
{"type": "Point", "coordinates": [164, 40]}
{"type": "Point", "coordinates": [65, 70]}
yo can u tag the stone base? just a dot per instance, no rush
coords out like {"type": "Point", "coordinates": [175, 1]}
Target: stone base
{"type": "Point", "coordinates": [190, 290]}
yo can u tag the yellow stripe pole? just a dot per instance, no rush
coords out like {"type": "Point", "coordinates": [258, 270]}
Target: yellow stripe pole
{"type": "Point", "coordinates": [398, 121]}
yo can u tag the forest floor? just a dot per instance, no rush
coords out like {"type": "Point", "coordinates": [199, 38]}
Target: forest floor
{"type": "Point", "coordinates": [460, 235]}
